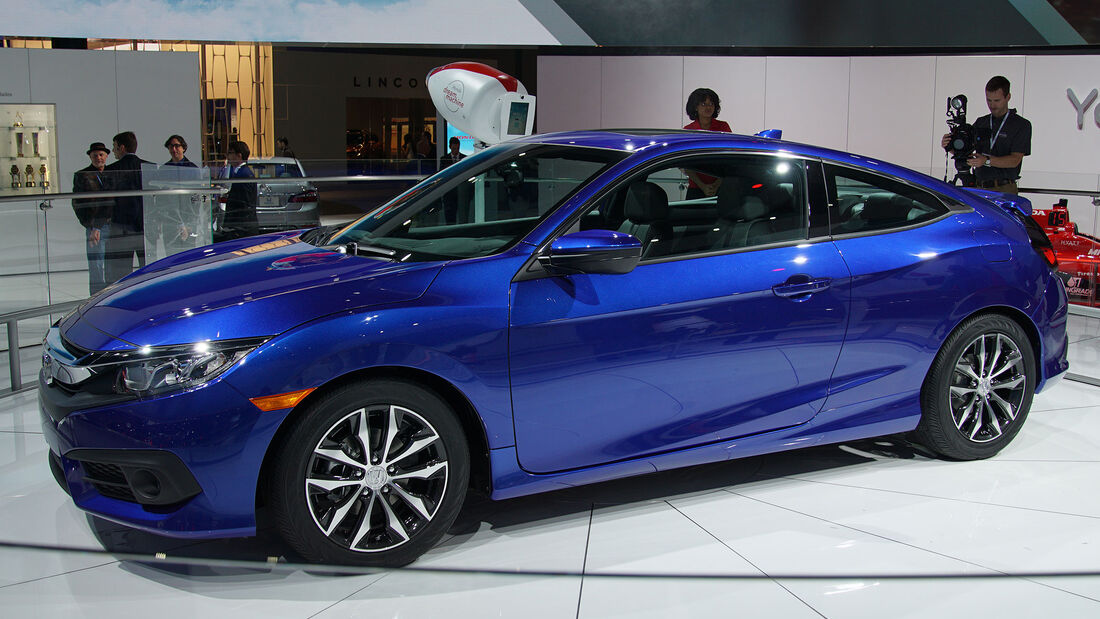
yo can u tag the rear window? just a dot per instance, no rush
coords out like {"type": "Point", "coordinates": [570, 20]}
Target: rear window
{"type": "Point", "coordinates": [275, 170]}
{"type": "Point", "coordinates": [865, 202]}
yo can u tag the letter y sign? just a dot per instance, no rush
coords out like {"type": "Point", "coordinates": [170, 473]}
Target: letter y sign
{"type": "Point", "coordinates": [1082, 107]}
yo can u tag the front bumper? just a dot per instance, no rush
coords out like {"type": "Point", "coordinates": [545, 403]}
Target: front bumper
{"type": "Point", "coordinates": [182, 465]}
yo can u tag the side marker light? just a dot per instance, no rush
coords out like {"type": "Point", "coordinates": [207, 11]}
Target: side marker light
{"type": "Point", "coordinates": [270, 403]}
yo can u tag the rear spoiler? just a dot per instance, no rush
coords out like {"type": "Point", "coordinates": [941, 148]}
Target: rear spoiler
{"type": "Point", "coordinates": [1006, 201]}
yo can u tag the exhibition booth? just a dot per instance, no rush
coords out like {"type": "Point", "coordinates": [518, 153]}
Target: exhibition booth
{"type": "Point", "coordinates": [768, 508]}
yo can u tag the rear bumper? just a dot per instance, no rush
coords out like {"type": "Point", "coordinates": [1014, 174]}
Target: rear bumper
{"type": "Point", "coordinates": [278, 220]}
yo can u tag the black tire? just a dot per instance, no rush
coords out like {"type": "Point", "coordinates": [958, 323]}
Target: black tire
{"type": "Point", "coordinates": [975, 400]}
{"type": "Point", "coordinates": [333, 505]}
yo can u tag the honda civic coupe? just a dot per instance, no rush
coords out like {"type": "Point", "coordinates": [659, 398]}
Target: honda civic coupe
{"type": "Point", "coordinates": [550, 312]}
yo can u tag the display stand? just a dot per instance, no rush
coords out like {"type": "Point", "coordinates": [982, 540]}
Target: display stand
{"type": "Point", "coordinates": [28, 148]}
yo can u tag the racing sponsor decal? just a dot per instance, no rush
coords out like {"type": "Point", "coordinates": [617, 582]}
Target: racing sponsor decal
{"type": "Point", "coordinates": [1079, 287]}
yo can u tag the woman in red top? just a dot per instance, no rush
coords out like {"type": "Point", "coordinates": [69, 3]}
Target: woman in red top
{"type": "Point", "coordinates": [702, 108]}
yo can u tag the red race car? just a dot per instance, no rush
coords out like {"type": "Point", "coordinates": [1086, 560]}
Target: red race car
{"type": "Point", "coordinates": [1078, 254]}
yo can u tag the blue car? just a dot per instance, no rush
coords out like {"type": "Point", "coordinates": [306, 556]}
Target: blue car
{"type": "Point", "coordinates": [557, 310]}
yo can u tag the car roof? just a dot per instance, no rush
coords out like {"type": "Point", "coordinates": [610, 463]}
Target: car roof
{"type": "Point", "coordinates": [668, 140]}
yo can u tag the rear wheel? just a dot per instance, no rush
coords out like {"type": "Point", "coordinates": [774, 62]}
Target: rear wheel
{"type": "Point", "coordinates": [370, 474]}
{"type": "Point", "coordinates": [979, 390]}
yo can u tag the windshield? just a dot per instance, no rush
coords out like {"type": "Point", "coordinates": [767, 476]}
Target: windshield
{"type": "Point", "coordinates": [478, 206]}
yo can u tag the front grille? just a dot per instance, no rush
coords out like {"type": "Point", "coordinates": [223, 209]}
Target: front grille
{"type": "Point", "coordinates": [108, 480]}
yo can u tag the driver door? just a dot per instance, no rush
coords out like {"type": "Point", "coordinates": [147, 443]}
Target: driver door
{"type": "Point", "coordinates": [723, 336]}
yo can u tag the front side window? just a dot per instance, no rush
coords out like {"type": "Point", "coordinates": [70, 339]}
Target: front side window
{"type": "Point", "coordinates": [478, 206]}
{"type": "Point", "coordinates": [747, 201]}
{"type": "Point", "coordinates": [864, 202]}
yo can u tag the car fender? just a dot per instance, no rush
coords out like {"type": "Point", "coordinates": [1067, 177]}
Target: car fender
{"type": "Point", "coordinates": [332, 349]}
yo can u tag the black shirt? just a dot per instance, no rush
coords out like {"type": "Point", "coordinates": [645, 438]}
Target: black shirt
{"type": "Point", "coordinates": [1013, 137]}
{"type": "Point", "coordinates": [92, 212]}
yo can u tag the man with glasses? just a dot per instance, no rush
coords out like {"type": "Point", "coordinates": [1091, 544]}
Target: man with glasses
{"type": "Point", "coordinates": [177, 146]}
{"type": "Point", "coordinates": [176, 218]}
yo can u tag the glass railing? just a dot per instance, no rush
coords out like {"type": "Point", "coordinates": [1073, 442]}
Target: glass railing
{"type": "Point", "coordinates": [46, 250]}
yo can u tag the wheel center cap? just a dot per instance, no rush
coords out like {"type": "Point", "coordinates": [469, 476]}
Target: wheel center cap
{"type": "Point", "coordinates": [375, 477]}
{"type": "Point", "coordinates": [984, 387]}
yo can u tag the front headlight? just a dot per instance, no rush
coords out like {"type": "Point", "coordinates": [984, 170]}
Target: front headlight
{"type": "Point", "coordinates": [154, 370]}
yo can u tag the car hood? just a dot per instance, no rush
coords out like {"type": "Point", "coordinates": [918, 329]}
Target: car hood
{"type": "Point", "coordinates": [239, 289]}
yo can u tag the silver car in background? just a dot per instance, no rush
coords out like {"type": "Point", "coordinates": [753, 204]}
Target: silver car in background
{"type": "Point", "coordinates": [285, 199]}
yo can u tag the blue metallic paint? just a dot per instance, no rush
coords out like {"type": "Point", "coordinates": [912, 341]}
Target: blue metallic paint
{"type": "Point", "coordinates": [574, 379]}
{"type": "Point", "coordinates": [683, 348]}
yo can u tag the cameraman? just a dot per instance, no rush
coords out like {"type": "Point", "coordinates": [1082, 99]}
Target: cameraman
{"type": "Point", "coordinates": [1002, 139]}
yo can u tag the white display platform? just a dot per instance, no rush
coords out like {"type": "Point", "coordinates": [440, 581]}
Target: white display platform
{"type": "Point", "coordinates": [796, 526]}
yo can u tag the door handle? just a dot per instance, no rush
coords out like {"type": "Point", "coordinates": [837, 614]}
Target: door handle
{"type": "Point", "coordinates": [800, 287]}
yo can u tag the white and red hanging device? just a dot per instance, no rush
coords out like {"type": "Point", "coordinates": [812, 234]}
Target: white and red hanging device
{"type": "Point", "coordinates": [484, 102]}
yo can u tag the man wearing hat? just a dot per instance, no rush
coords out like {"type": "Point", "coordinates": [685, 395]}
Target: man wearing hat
{"type": "Point", "coordinates": [94, 213]}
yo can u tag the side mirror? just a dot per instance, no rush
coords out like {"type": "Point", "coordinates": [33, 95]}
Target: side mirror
{"type": "Point", "coordinates": [592, 251]}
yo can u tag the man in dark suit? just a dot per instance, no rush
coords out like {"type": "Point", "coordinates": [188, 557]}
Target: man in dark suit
{"type": "Point", "coordinates": [94, 213]}
{"type": "Point", "coordinates": [127, 237]}
{"type": "Point", "coordinates": [240, 203]}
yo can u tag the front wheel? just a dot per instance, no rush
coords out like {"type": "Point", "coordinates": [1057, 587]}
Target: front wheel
{"type": "Point", "coordinates": [370, 474]}
{"type": "Point", "coordinates": [979, 390]}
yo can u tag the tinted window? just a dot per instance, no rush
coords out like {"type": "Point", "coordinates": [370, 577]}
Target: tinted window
{"type": "Point", "coordinates": [864, 202]}
{"type": "Point", "coordinates": [747, 201]}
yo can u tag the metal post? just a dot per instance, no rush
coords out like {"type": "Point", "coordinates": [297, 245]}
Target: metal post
{"type": "Point", "coordinates": [44, 206]}
{"type": "Point", "coordinates": [13, 355]}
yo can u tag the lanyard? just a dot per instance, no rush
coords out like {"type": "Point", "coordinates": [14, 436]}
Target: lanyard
{"type": "Point", "coordinates": [996, 134]}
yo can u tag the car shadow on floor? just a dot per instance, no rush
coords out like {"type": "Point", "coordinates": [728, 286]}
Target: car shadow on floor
{"type": "Point", "coordinates": [257, 555]}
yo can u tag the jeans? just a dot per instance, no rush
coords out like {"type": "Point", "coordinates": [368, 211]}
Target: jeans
{"type": "Point", "coordinates": [97, 267]}
{"type": "Point", "coordinates": [124, 242]}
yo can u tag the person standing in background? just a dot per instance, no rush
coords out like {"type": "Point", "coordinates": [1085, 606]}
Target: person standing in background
{"type": "Point", "coordinates": [94, 213]}
{"type": "Point", "coordinates": [178, 219]}
{"type": "Point", "coordinates": [240, 203]}
{"type": "Point", "coordinates": [282, 146]}
{"type": "Point", "coordinates": [1002, 138]}
{"type": "Point", "coordinates": [127, 238]}
{"type": "Point", "coordinates": [703, 106]}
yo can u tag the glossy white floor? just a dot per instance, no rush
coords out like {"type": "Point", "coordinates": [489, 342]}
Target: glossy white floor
{"type": "Point", "coordinates": [813, 533]}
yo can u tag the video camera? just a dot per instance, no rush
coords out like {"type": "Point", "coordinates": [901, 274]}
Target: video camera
{"type": "Point", "coordinates": [961, 142]}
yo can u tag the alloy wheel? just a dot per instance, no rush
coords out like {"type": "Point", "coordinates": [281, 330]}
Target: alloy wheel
{"type": "Point", "coordinates": [988, 387]}
{"type": "Point", "coordinates": [376, 478]}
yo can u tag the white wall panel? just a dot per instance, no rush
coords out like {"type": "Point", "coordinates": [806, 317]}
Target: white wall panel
{"type": "Point", "coordinates": [642, 91]}
{"type": "Point", "coordinates": [81, 84]}
{"type": "Point", "coordinates": [1062, 156]}
{"type": "Point", "coordinates": [739, 82]}
{"type": "Point", "coordinates": [890, 109]}
{"type": "Point", "coordinates": [808, 99]}
{"type": "Point", "coordinates": [158, 94]}
{"type": "Point", "coordinates": [15, 78]}
{"type": "Point", "coordinates": [568, 93]}
{"type": "Point", "coordinates": [1061, 145]}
